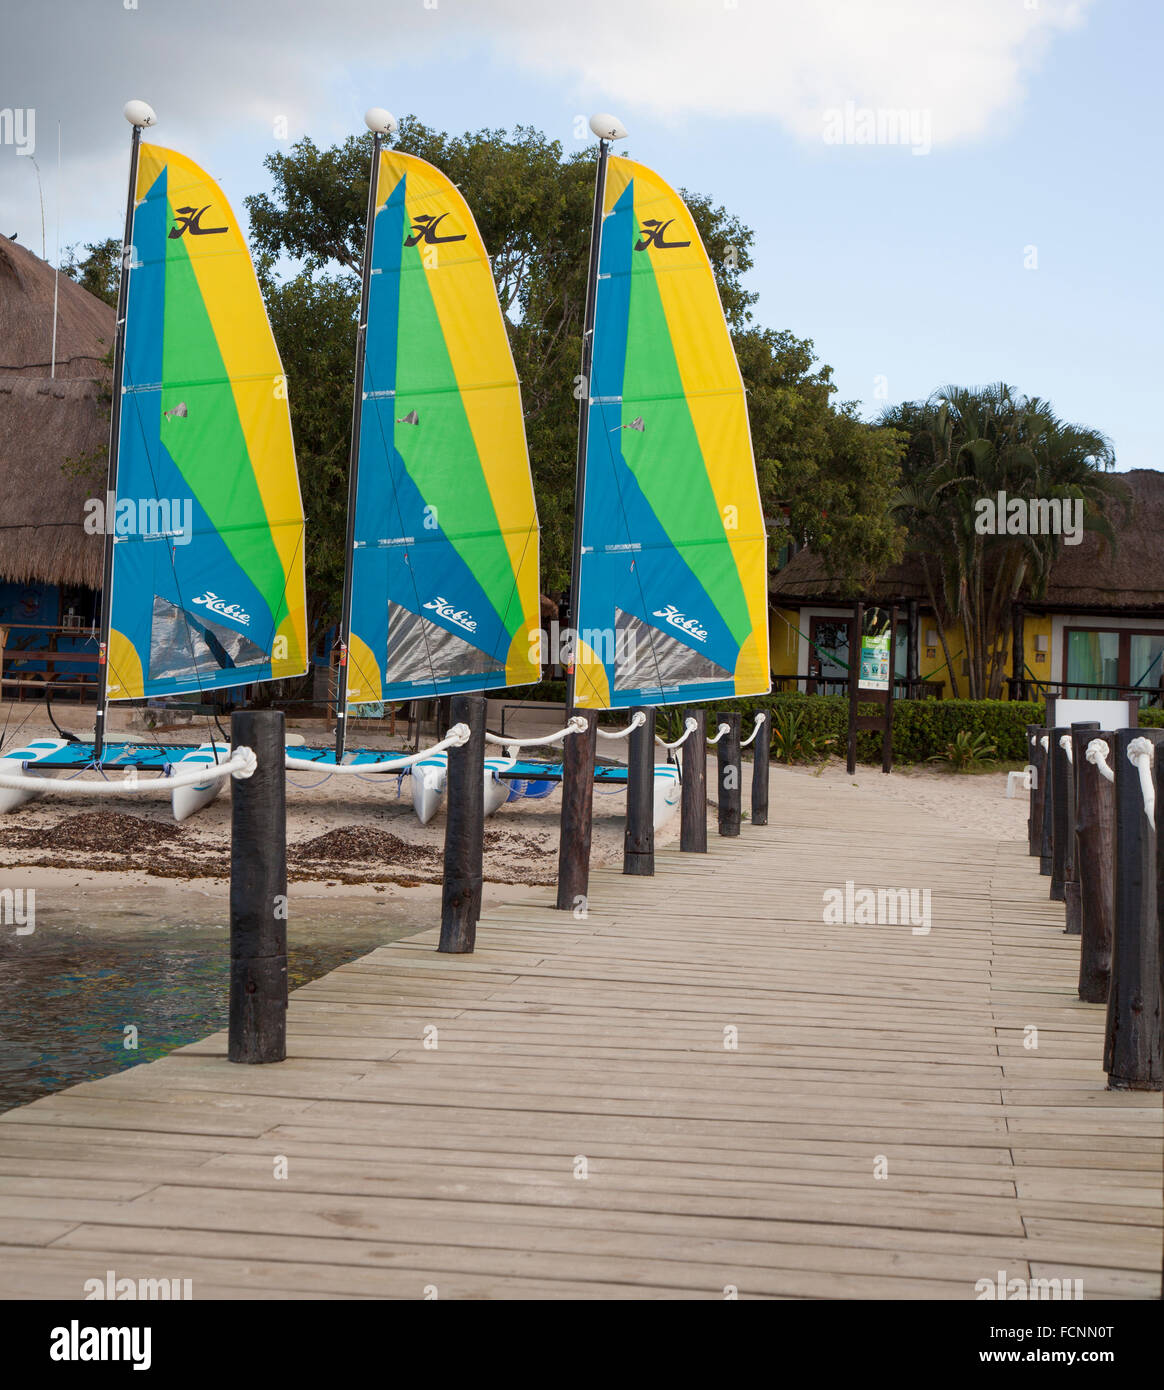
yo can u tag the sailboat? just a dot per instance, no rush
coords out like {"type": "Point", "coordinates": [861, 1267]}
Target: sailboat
{"type": "Point", "coordinates": [672, 548]}
{"type": "Point", "coordinates": [208, 593]}
{"type": "Point", "coordinates": [441, 580]}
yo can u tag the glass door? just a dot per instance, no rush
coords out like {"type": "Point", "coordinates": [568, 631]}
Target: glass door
{"type": "Point", "coordinates": [828, 656]}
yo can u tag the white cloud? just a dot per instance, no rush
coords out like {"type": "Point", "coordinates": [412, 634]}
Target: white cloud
{"type": "Point", "coordinates": [791, 60]}
{"type": "Point", "coordinates": [219, 71]}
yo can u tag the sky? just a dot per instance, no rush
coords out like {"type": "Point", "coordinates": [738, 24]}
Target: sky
{"type": "Point", "coordinates": [1005, 227]}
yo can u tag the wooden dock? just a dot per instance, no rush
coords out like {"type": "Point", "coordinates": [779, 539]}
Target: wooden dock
{"type": "Point", "coordinates": [881, 1129]}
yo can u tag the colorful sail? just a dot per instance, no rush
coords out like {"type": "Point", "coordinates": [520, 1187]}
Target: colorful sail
{"type": "Point", "coordinates": [208, 578]}
{"type": "Point", "coordinates": [673, 601]}
{"type": "Point", "coordinates": [445, 558]}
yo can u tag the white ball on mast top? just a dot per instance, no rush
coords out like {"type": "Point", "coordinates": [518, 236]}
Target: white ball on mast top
{"type": "Point", "coordinates": [139, 113]}
{"type": "Point", "coordinates": [607, 127]}
{"type": "Point", "coordinates": [379, 121]}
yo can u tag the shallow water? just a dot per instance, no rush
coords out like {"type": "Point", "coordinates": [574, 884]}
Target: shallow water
{"type": "Point", "coordinates": [71, 989]}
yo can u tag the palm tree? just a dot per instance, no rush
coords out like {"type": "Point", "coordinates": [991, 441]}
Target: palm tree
{"type": "Point", "coordinates": [967, 444]}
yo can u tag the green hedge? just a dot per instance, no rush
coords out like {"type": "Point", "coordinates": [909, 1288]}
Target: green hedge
{"type": "Point", "coordinates": [920, 727]}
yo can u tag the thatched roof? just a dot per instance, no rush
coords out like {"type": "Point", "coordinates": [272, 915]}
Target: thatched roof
{"type": "Point", "coordinates": [46, 422]}
{"type": "Point", "coordinates": [1091, 575]}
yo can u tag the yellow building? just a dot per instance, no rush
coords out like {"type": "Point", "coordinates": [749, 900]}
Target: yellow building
{"type": "Point", "coordinates": [1097, 631]}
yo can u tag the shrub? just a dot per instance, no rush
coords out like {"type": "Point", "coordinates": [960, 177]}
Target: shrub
{"type": "Point", "coordinates": [921, 728]}
{"type": "Point", "coordinates": [966, 751]}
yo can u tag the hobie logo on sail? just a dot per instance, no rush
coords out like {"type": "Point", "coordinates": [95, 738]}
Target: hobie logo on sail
{"type": "Point", "coordinates": [452, 615]}
{"type": "Point", "coordinates": [213, 604]}
{"type": "Point", "coordinates": [683, 623]}
{"type": "Point", "coordinates": [190, 220]}
{"type": "Point", "coordinates": [424, 229]}
{"type": "Point", "coordinates": [654, 234]}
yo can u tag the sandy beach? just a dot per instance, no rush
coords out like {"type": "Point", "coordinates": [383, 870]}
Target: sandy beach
{"type": "Point", "coordinates": [360, 834]}
{"type": "Point", "coordinates": [354, 833]}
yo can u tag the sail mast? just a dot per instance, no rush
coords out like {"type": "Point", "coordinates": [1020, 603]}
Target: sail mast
{"type": "Point", "coordinates": [608, 129]}
{"type": "Point", "coordinates": [380, 123]}
{"type": "Point", "coordinates": [139, 115]}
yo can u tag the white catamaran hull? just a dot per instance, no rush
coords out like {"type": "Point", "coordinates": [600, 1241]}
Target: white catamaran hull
{"type": "Point", "coordinates": [429, 779]}
{"type": "Point", "coordinates": [10, 797]}
{"type": "Point", "coordinates": [187, 800]}
{"type": "Point", "coordinates": [428, 787]}
{"type": "Point", "coordinates": [668, 793]}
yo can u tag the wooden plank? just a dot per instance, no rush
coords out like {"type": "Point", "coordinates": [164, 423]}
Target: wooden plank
{"type": "Point", "coordinates": [700, 1084]}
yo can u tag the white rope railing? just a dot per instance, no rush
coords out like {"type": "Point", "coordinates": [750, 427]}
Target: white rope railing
{"type": "Point", "coordinates": [576, 725]}
{"type": "Point", "coordinates": [638, 719]}
{"type": "Point", "coordinates": [1141, 755]}
{"type": "Point", "coordinates": [689, 727]}
{"type": "Point", "coordinates": [457, 737]}
{"type": "Point", "coordinates": [1065, 744]}
{"type": "Point", "coordinates": [1097, 751]}
{"type": "Point", "coordinates": [1045, 743]}
{"type": "Point", "coordinates": [760, 718]}
{"type": "Point", "coordinates": [719, 733]}
{"type": "Point", "coordinates": [241, 764]}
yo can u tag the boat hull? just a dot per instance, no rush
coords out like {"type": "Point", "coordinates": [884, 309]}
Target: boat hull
{"type": "Point", "coordinates": [25, 759]}
{"type": "Point", "coordinates": [187, 801]}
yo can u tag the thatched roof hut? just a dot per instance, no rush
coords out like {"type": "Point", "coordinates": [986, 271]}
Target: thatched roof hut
{"type": "Point", "coordinates": [1089, 577]}
{"type": "Point", "coordinates": [46, 423]}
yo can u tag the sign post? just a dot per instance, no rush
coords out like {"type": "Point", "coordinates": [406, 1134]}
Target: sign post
{"type": "Point", "coordinates": [872, 643]}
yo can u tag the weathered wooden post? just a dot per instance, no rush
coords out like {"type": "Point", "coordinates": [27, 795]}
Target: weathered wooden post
{"type": "Point", "coordinates": [1132, 1050]}
{"type": "Point", "coordinates": [761, 751]}
{"type": "Point", "coordinates": [1045, 831]}
{"type": "Point", "coordinates": [1036, 762]}
{"type": "Point", "coordinates": [257, 1030]}
{"type": "Point", "coordinates": [577, 814]}
{"type": "Point", "coordinates": [1070, 867]}
{"type": "Point", "coordinates": [693, 807]}
{"type": "Point", "coordinates": [638, 851]}
{"type": "Point", "coordinates": [728, 758]}
{"type": "Point", "coordinates": [1060, 814]}
{"type": "Point", "coordinates": [1094, 851]}
{"type": "Point", "coordinates": [464, 829]}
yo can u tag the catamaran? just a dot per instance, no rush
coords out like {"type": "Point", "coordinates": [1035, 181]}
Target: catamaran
{"type": "Point", "coordinates": [670, 549]}
{"type": "Point", "coordinates": [441, 578]}
{"type": "Point", "coordinates": [200, 417]}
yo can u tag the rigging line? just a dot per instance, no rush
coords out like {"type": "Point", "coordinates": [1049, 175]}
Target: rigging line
{"type": "Point", "coordinates": [391, 454]}
{"type": "Point", "coordinates": [626, 528]}
{"type": "Point", "coordinates": [513, 590]}
{"type": "Point", "coordinates": [23, 722]}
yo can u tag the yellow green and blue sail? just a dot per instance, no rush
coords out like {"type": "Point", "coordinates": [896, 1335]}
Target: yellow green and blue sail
{"type": "Point", "coordinates": [208, 574]}
{"type": "Point", "coordinates": [673, 603]}
{"type": "Point", "coordinates": [445, 554]}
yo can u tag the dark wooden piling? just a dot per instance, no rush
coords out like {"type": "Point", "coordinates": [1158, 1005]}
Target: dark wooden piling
{"type": "Point", "coordinates": [464, 829]}
{"type": "Point", "coordinates": [1035, 761]}
{"type": "Point", "coordinates": [1045, 831]}
{"type": "Point", "coordinates": [1132, 1051]}
{"type": "Point", "coordinates": [728, 759]}
{"type": "Point", "coordinates": [1094, 851]}
{"type": "Point", "coordinates": [258, 893]}
{"type": "Point", "coordinates": [761, 753]}
{"type": "Point", "coordinates": [693, 807]}
{"type": "Point", "coordinates": [638, 852]}
{"type": "Point", "coordinates": [1060, 813]}
{"type": "Point", "coordinates": [1071, 892]}
{"type": "Point", "coordinates": [577, 815]}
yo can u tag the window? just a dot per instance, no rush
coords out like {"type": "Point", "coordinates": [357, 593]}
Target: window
{"type": "Point", "coordinates": [1095, 657]}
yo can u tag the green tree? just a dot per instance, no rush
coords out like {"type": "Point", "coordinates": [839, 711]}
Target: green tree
{"type": "Point", "coordinates": [836, 474]}
{"type": "Point", "coordinates": [98, 270]}
{"type": "Point", "coordinates": [966, 445]}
